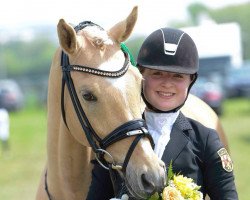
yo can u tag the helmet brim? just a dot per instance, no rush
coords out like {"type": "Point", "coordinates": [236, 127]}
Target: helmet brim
{"type": "Point", "coordinates": [173, 69]}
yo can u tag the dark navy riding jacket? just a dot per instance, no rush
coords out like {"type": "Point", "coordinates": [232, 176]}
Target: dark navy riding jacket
{"type": "Point", "coordinates": [193, 150]}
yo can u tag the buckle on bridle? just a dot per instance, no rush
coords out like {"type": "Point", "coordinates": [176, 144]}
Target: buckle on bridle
{"type": "Point", "coordinates": [137, 132]}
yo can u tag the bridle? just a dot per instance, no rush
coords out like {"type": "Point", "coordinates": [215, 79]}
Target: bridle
{"type": "Point", "coordinates": [136, 127]}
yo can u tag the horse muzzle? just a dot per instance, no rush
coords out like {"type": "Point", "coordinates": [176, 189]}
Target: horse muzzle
{"type": "Point", "coordinates": [146, 181]}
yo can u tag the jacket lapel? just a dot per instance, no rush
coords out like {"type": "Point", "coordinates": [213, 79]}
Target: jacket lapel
{"type": "Point", "coordinates": [178, 139]}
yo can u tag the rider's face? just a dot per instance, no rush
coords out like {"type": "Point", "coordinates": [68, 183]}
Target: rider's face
{"type": "Point", "coordinates": [164, 90]}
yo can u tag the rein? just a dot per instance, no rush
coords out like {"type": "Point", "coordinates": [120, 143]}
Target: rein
{"type": "Point", "coordinates": [136, 127]}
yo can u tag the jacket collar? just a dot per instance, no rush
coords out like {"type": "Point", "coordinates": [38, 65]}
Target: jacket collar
{"type": "Point", "coordinates": [178, 139]}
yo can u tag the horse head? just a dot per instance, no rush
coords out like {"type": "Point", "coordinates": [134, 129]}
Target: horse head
{"type": "Point", "coordinates": [101, 107]}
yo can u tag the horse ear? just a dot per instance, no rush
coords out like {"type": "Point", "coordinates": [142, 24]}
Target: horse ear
{"type": "Point", "coordinates": [122, 30]}
{"type": "Point", "coordinates": [67, 36]}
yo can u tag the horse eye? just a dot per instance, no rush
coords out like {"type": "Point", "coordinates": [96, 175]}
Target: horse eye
{"type": "Point", "coordinates": [89, 97]}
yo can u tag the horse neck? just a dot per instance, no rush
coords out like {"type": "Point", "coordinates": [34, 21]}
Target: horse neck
{"type": "Point", "coordinates": [68, 168]}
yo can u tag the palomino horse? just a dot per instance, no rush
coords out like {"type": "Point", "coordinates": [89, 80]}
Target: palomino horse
{"type": "Point", "coordinates": [94, 104]}
{"type": "Point", "coordinates": [85, 104]}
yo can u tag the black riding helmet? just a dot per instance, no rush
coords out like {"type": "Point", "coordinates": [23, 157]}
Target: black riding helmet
{"type": "Point", "coordinates": [171, 50]}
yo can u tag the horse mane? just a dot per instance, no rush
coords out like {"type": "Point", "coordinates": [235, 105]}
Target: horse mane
{"type": "Point", "coordinates": [97, 36]}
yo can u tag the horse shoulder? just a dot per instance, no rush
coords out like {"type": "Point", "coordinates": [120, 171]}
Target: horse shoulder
{"type": "Point", "coordinates": [198, 110]}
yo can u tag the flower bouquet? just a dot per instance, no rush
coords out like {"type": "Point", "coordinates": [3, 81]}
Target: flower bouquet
{"type": "Point", "coordinates": [178, 187]}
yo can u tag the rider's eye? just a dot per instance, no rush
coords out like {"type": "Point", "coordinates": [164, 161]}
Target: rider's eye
{"type": "Point", "coordinates": [88, 96]}
{"type": "Point", "coordinates": [157, 74]}
{"type": "Point", "coordinates": [178, 75]}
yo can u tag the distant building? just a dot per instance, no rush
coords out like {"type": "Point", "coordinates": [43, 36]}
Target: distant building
{"type": "Point", "coordinates": [219, 47]}
{"type": "Point", "coordinates": [218, 40]}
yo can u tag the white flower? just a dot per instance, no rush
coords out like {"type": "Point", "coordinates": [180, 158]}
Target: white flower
{"type": "Point", "coordinates": [171, 193]}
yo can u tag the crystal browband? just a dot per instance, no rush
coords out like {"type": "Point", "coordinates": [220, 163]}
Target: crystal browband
{"type": "Point", "coordinates": [100, 72]}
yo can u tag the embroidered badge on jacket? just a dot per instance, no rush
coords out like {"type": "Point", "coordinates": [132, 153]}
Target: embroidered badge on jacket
{"type": "Point", "coordinates": [227, 163]}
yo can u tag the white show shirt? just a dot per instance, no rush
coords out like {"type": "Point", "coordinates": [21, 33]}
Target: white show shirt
{"type": "Point", "coordinates": [160, 126]}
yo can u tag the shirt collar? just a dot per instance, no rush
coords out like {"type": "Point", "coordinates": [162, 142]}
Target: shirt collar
{"type": "Point", "coordinates": [160, 121]}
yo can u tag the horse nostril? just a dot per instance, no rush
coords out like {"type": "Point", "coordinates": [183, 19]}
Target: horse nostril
{"type": "Point", "coordinates": [147, 184]}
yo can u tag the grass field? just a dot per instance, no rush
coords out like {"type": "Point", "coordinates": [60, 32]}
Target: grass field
{"type": "Point", "coordinates": [21, 166]}
{"type": "Point", "coordinates": [236, 123]}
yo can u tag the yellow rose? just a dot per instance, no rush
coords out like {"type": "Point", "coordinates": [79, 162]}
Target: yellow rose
{"type": "Point", "coordinates": [171, 193]}
{"type": "Point", "coordinates": [186, 186]}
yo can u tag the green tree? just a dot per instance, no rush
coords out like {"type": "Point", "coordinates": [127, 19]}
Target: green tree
{"type": "Point", "coordinates": [234, 13]}
{"type": "Point", "coordinates": [22, 58]}
{"type": "Point", "coordinates": [195, 10]}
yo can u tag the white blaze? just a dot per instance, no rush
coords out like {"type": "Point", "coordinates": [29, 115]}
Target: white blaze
{"type": "Point", "coordinates": [120, 82]}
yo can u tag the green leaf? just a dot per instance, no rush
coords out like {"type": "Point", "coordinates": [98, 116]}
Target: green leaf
{"type": "Point", "coordinates": [155, 196]}
{"type": "Point", "coordinates": [170, 174]}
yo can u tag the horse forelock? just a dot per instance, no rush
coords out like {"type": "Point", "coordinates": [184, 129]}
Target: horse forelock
{"type": "Point", "coordinates": [97, 36]}
{"type": "Point", "coordinates": [97, 50]}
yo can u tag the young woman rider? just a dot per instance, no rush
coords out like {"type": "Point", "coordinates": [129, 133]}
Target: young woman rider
{"type": "Point", "coordinates": [168, 61]}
